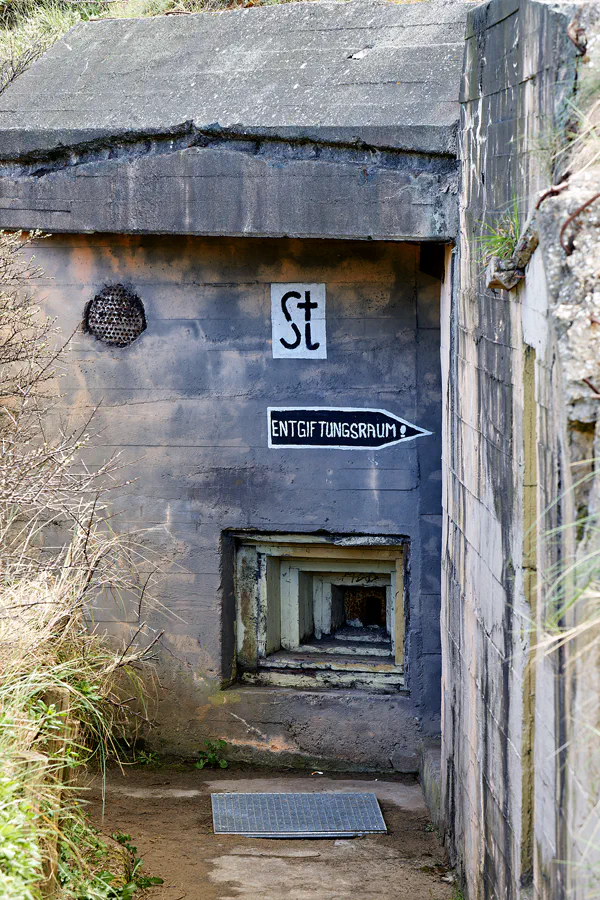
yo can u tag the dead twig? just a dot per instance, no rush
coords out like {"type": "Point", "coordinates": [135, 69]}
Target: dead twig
{"type": "Point", "coordinates": [119, 704]}
{"type": "Point", "coordinates": [143, 593]}
{"type": "Point", "coordinates": [125, 659]}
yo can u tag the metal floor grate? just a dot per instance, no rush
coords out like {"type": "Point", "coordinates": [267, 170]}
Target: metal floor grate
{"type": "Point", "coordinates": [327, 814]}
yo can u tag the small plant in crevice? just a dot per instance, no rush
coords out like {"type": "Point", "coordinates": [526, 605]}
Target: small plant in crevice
{"type": "Point", "coordinates": [212, 755]}
{"type": "Point", "coordinates": [500, 238]}
{"type": "Point", "coordinates": [131, 749]}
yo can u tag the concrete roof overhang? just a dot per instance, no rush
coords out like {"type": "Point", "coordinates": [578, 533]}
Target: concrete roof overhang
{"type": "Point", "coordinates": [305, 119]}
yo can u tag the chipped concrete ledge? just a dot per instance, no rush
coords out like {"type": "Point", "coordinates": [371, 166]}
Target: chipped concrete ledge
{"type": "Point", "coordinates": [33, 145]}
{"type": "Point", "coordinates": [219, 190]}
{"type": "Point", "coordinates": [505, 274]}
{"type": "Point", "coordinates": [21, 158]}
{"type": "Point", "coordinates": [273, 139]}
{"type": "Point", "coordinates": [293, 71]}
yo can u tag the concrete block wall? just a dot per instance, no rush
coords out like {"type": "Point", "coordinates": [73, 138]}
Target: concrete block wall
{"type": "Point", "coordinates": [185, 406]}
{"type": "Point", "coordinates": [520, 67]}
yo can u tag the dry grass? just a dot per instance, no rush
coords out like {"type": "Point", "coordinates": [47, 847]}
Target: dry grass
{"type": "Point", "coordinates": [63, 706]}
{"type": "Point", "coordinates": [65, 695]}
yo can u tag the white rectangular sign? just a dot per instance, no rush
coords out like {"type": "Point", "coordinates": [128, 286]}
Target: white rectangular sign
{"type": "Point", "coordinates": [298, 321]}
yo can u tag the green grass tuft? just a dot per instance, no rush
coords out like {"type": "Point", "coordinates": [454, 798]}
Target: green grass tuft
{"type": "Point", "coordinates": [500, 238]}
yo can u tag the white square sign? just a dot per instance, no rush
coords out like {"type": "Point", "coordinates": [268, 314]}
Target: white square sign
{"type": "Point", "coordinates": [298, 321]}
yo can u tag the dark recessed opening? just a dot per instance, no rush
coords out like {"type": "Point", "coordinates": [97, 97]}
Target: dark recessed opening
{"type": "Point", "coordinates": [364, 606]}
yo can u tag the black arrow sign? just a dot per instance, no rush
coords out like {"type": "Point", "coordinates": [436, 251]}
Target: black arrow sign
{"type": "Point", "coordinates": [340, 429]}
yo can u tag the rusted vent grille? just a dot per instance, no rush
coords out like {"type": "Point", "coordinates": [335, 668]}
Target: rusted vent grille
{"type": "Point", "coordinates": [115, 316]}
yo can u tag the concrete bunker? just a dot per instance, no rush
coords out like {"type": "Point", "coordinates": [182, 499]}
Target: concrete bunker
{"type": "Point", "coordinates": [280, 375]}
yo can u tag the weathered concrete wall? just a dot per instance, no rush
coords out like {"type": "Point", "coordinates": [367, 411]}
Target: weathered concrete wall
{"type": "Point", "coordinates": [185, 406]}
{"type": "Point", "coordinates": [236, 186]}
{"type": "Point", "coordinates": [301, 119]}
{"type": "Point", "coordinates": [505, 462]}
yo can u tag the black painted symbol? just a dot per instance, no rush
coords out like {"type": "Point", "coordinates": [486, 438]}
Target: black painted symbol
{"type": "Point", "coordinates": [284, 301]}
{"type": "Point", "coordinates": [298, 321]}
{"type": "Point", "coordinates": [307, 305]}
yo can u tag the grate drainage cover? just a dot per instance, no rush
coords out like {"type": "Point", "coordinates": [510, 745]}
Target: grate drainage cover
{"type": "Point", "coordinates": [327, 814]}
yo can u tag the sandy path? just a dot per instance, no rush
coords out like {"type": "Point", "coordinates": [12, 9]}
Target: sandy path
{"type": "Point", "coordinates": [168, 814]}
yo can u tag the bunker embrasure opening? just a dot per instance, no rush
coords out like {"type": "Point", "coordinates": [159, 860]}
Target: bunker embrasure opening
{"type": "Point", "coordinates": [315, 613]}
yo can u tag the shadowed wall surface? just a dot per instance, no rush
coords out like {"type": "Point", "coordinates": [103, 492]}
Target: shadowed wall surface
{"type": "Point", "coordinates": [185, 405]}
{"type": "Point", "coordinates": [506, 470]}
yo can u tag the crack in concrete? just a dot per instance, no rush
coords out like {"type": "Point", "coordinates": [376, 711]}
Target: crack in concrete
{"type": "Point", "coordinates": [132, 145]}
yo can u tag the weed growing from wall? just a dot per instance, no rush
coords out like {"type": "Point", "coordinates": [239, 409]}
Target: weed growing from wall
{"type": "Point", "coordinates": [500, 237]}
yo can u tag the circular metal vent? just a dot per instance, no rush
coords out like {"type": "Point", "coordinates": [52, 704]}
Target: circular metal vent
{"type": "Point", "coordinates": [115, 316]}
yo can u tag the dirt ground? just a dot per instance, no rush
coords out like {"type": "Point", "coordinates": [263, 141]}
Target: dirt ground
{"type": "Point", "coordinates": [168, 813]}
